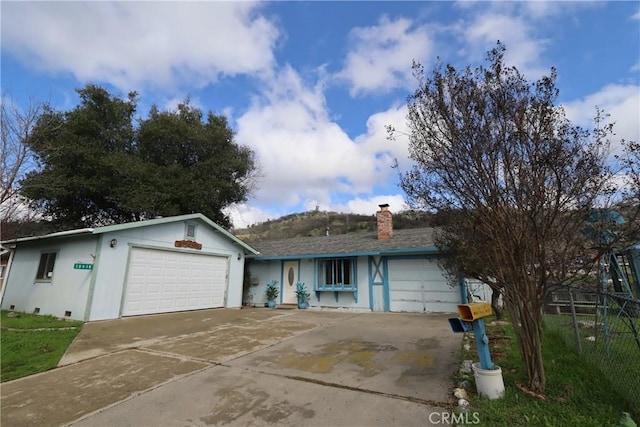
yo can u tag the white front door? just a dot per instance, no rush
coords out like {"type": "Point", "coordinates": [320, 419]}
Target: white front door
{"type": "Point", "coordinates": [289, 280]}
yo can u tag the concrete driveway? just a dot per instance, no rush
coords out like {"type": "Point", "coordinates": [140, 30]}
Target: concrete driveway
{"type": "Point", "coordinates": [246, 367]}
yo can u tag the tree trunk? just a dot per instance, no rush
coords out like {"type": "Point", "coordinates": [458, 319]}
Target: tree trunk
{"type": "Point", "coordinates": [527, 324]}
{"type": "Point", "coordinates": [495, 303]}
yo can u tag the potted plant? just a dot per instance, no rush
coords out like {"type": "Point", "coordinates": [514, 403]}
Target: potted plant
{"type": "Point", "coordinates": [302, 294]}
{"type": "Point", "coordinates": [272, 293]}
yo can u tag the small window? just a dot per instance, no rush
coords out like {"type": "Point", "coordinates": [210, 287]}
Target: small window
{"type": "Point", "coordinates": [45, 269]}
{"type": "Point", "coordinates": [190, 232]}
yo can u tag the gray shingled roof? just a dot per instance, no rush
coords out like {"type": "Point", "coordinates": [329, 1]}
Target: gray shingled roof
{"type": "Point", "coordinates": [403, 241]}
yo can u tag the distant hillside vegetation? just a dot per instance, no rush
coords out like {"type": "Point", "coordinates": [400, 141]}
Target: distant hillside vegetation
{"type": "Point", "coordinates": [318, 223]}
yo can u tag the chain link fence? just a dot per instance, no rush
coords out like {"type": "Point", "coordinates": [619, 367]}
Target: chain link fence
{"type": "Point", "coordinates": [605, 327]}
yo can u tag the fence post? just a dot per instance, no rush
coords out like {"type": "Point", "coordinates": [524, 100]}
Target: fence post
{"type": "Point", "coordinates": [605, 309]}
{"type": "Point", "coordinates": [555, 299]}
{"type": "Point", "coordinates": [575, 320]}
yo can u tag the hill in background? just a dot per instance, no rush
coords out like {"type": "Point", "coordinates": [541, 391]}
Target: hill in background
{"type": "Point", "coordinates": [318, 223]}
{"type": "Point", "coordinates": [313, 223]}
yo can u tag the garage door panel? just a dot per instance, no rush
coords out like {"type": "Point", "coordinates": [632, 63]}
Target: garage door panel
{"type": "Point", "coordinates": [440, 295]}
{"type": "Point", "coordinates": [135, 305]}
{"type": "Point", "coordinates": [408, 295]}
{"type": "Point", "coordinates": [167, 303]}
{"type": "Point", "coordinates": [150, 305]}
{"type": "Point", "coordinates": [165, 281]}
{"type": "Point", "coordinates": [418, 285]}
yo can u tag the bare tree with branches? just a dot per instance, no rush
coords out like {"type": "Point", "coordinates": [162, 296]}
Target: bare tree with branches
{"type": "Point", "coordinates": [15, 155]}
{"type": "Point", "coordinates": [512, 180]}
{"type": "Point", "coordinates": [631, 165]}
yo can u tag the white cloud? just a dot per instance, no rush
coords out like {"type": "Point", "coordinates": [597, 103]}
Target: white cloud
{"type": "Point", "coordinates": [306, 159]}
{"type": "Point", "coordinates": [515, 32]}
{"type": "Point", "coordinates": [247, 214]}
{"type": "Point", "coordinates": [380, 56]}
{"type": "Point", "coordinates": [128, 44]}
{"type": "Point", "coordinates": [518, 25]}
{"type": "Point", "coordinates": [532, 10]}
{"type": "Point", "coordinates": [542, 9]}
{"type": "Point", "coordinates": [369, 206]}
{"type": "Point", "coordinates": [172, 103]}
{"type": "Point", "coordinates": [375, 141]}
{"type": "Point", "coordinates": [621, 102]}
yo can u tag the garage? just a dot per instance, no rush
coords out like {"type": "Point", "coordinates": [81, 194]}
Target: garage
{"type": "Point", "coordinates": [163, 281]}
{"type": "Point", "coordinates": [418, 285]}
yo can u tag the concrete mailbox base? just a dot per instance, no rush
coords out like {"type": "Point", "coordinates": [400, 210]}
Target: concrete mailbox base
{"type": "Point", "coordinates": [489, 382]}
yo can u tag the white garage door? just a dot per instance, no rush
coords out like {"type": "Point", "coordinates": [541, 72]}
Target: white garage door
{"type": "Point", "coordinates": [418, 285]}
{"type": "Point", "coordinates": [164, 281]}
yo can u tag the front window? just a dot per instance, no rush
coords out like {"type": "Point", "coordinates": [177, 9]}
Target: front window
{"type": "Point", "coordinates": [336, 272]}
{"type": "Point", "coordinates": [45, 268]}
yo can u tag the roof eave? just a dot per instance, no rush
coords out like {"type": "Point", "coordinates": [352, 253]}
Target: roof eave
{"type": "Point", "coordinates": [158, 221]}
{"type": "Point", "coordinates": [68, 233]}
{"type": "Point", "coordinates": [395, 251]}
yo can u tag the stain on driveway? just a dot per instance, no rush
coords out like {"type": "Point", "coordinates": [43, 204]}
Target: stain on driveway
{"type": "Point", "coordinates": [406, 355]}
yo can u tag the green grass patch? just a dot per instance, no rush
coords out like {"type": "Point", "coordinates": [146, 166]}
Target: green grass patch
{"type": "Point", "coordinates": [578, 392]}
{"type": "Point", "coordinates": [32, 343]}
{"type": "Point", "coordinates": [620, 361]}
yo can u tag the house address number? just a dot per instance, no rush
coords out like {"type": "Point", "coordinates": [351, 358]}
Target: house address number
{"type": "Point", "coordinates": [81, 266]}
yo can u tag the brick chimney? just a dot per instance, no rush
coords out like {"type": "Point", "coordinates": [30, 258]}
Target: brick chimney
{"type": "Point", "coordinates": [385, 223]}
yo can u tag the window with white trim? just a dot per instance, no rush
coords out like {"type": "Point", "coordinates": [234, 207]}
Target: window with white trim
{"type": "Point", "coordinates": [336, 273]}
{"type": "Point", "coordinates": [45, 268]}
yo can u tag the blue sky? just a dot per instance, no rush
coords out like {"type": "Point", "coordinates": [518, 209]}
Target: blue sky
{"type": "Point", "coordinates": [310, 86]}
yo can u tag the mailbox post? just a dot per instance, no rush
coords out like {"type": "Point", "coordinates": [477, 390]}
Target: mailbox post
{"type": "Point", "coordinates": [488, 376]}
{"type": "Point", "coordinates": [475, 314]}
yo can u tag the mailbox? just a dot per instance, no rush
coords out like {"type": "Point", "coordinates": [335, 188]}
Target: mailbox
{"type": "Point", "coordinates": [474, 311]}
{"type": "Point", "coordinates": [458, 325]}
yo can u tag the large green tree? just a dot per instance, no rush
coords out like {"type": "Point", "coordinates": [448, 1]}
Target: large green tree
{"type": "Point", "coordinates": [513, 181]}
{"type": "Point", "coordinates": [97, 165]}
{"type": "Point", "coordinates": [79, 153]}
{"type": "Point", "coordinates": [194, 161]}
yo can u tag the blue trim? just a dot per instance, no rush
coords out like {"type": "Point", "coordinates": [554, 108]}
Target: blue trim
{"type": "Point", "coordinates": [375, 269]}
{"type": "Point", "coordinates": [315, 280]}
{"type": "Point", "coordinates": [281, 281]}
{"type": "Point", "coordinates": [337, 288]}
{"type": "Point", "coordinates": [369, 261]}
{"type": "Point", "coordinates": [378, 270]}
{"type": "Point", "coordinates": [387, 297]}
{"type": "Point", "coordinates": [355, 277]}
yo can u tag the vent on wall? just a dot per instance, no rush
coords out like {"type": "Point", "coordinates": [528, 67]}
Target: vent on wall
{"type": "Point", "coordinates": [67, 314]}
{"type": "Point", "coordinates": [12, 307]}
{"type": "Point", "coordinates": [190, 232]}
{"type": "Point", "coordinates": [36, 310]}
